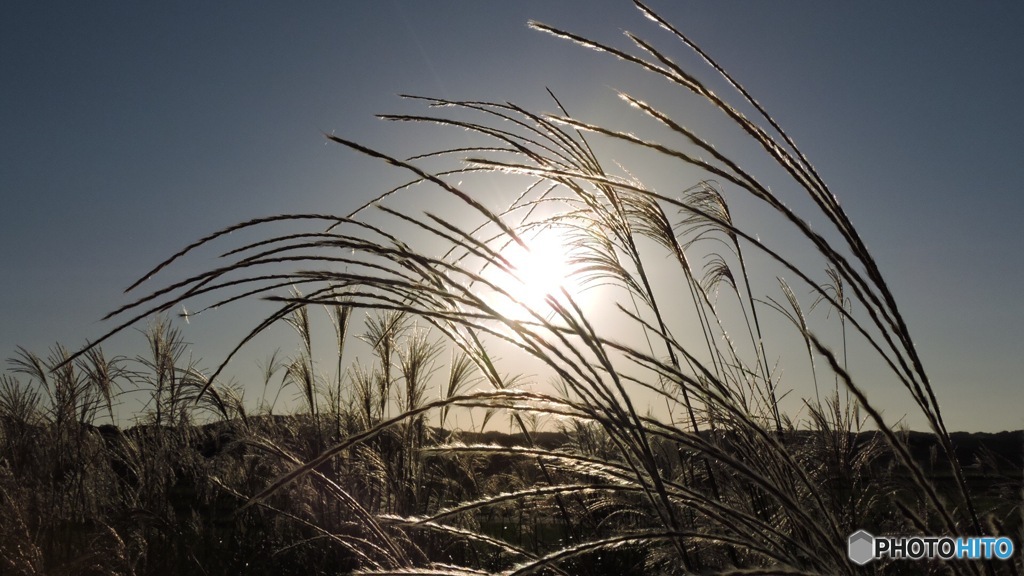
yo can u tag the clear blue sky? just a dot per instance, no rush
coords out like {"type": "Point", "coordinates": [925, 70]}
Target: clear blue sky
{"type": "Point", "coordinates": [127, 131]}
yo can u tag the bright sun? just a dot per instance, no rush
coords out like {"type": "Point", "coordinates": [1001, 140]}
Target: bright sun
{"type": "Point", "coordinates": [541, 271]}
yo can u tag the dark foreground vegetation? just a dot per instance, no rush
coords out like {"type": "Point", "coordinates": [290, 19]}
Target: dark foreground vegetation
{"type": "Point", "coordinates": [163, 499]}
{"type": "Point", "coordinates": [664, 436]}
{"type": "Point", "coordinates": [166, 499]}
{"type": "Point", "coordinates": [171, 496]}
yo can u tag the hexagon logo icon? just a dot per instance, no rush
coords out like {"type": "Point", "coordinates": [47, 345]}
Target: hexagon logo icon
{"type": "Point", "coordinates": [861, 547]}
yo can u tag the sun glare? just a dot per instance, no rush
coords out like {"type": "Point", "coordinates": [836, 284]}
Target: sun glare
{"type": "Point", "coordinates": [540, 271]}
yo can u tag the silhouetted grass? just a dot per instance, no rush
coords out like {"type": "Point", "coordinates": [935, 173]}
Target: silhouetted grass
{"type": "Point", "coordinates": [717, 477]}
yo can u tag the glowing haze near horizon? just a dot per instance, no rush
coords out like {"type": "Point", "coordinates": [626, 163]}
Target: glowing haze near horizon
{"type": "Point", "coordinates": [130, 131]}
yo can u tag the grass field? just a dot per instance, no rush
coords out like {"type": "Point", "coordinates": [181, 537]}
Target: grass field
{"type": "Point", "coordinates": [664, 436]}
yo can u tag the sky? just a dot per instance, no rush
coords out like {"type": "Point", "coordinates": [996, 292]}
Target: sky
{"type": "Point", "coordinates": [128, 131]}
